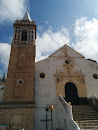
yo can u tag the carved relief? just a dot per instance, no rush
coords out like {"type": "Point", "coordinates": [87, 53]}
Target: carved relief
{"type": "Point", "coordinates": [68, 75]}
{"type": "Point", "coordinates": [64, 51]}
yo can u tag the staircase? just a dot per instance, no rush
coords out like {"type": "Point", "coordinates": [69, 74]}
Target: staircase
{"type": "Point", "coordinates": [85, 116]}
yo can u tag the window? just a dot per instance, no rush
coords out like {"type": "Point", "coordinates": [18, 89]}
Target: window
{"type": "Point", "coordinates": [24, 35]}
{"type": "Point", "coordinates": [20, 81]}
{"type": "Point", "coordinates": [67, 61]}
{"type": "Point", "coordinates": [42, 75]}
{"type": "Point", "coordinates": [18, 36]}
{"type": "Point", "coordinates": [15, 36]}
{"type": "Point", "coordinates": [95, 76]}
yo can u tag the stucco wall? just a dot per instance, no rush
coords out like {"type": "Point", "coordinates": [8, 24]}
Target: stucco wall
{"type": "Point", "coordinates": [46, 88]}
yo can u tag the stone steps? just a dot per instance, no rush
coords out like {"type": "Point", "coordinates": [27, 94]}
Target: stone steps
{"type": "Point", "coordinates": [89, 128]}
{"type": "Point", "coordinates": [79, 119]}
{"type": "Point", "coordinates": [88, 125]}
{"type": "Point", "coordinates": [85, 117]}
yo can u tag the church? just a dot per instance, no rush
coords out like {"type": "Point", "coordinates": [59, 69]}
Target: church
{"type": "Point", "coordinates": [57, 93]}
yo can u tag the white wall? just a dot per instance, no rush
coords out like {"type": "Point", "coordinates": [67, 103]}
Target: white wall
{"type": "Point", "coordinates": [45, 89]}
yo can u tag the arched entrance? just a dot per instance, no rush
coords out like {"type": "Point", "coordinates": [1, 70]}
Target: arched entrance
{"type": "Point", "coordinates": [71, 94]}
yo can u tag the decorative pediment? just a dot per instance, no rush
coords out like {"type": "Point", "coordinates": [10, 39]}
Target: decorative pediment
{"type": "Point", "coordinates": [68, 72]}
{"type": "Point", "coordinates": [66, 51]}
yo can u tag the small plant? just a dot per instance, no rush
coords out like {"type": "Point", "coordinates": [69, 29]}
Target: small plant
{"type": "Point", "coordinates": [3, 78]}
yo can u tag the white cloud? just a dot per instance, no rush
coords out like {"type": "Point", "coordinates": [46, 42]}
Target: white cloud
{"type": "Point", "coordinates": [4, 55]}
{"type": "Point", "coordinates": [11, 9]}
{"type": "Point", "coordinates": [50, 41]}
{"type": "Point", "coordinates": [86, 41]}
{"type": "Point", "coordinates": [40, 28]}
{"type": "Point", "coordinates": [86, 36]}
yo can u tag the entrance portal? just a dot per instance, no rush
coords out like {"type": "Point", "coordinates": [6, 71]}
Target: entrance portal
{"type": "Point", "coordinates": [71, 94]}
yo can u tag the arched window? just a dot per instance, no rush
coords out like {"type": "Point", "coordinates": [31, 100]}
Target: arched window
{"type": "Point", "coordinates": [24, 35]}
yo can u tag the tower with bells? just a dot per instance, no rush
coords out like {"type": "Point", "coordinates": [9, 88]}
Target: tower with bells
{"type": "Point", "coordinates": [20, 77]}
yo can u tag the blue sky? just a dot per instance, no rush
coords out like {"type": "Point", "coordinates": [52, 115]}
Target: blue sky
{"type": "Point", "coordinates": [59, 22]}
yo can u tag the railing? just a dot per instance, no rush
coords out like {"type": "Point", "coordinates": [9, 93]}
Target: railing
{"type": "Point", "coordinates": [93, 101]}
{"type": "Point", "coordinates": [70, 124]}
{"type": "Point", "coordinates": [67, 107]}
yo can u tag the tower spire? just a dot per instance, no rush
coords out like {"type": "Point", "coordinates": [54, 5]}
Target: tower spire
{"type": "Point", "coordinates": [27, 17]}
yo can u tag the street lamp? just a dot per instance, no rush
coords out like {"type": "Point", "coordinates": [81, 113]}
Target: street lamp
{"type": "Point", "coordinates": [51, 109]}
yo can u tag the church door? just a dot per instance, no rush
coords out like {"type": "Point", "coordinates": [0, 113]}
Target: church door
{"type": "Point", "coordinates": [71, 94]}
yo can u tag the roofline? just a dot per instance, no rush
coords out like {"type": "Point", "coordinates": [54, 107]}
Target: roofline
{"type": "Point", "coordinates": [69, 47]}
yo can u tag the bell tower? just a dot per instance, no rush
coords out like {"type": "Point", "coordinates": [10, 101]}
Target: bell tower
{"type": "Point", "coordinates": [20, 77]}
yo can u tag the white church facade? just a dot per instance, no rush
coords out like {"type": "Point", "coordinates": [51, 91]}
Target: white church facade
{"type": "Point", "coordinates": [65, 72]}
{"type": "Point", "coordinates": [41, 95]}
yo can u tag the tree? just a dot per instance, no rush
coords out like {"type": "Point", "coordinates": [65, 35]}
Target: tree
{"type": "Point", "coordinates": [3, 78]}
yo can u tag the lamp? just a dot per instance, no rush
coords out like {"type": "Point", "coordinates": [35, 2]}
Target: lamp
{"type": "Point", "coordinates": [51, 109]}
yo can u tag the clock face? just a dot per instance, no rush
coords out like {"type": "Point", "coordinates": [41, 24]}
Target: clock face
{"type": "Point", "coordinates": [24, 35]}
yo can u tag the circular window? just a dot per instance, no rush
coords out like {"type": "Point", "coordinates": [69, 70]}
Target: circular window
{"type": "Point", "coordinates": [20, 81]}
{"type": "Point", "coordinates": [42, 75]}
{"type": "Point", "coordinates": [67, 61]}
{"type": "Point", "coordinates": [95, 76]}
